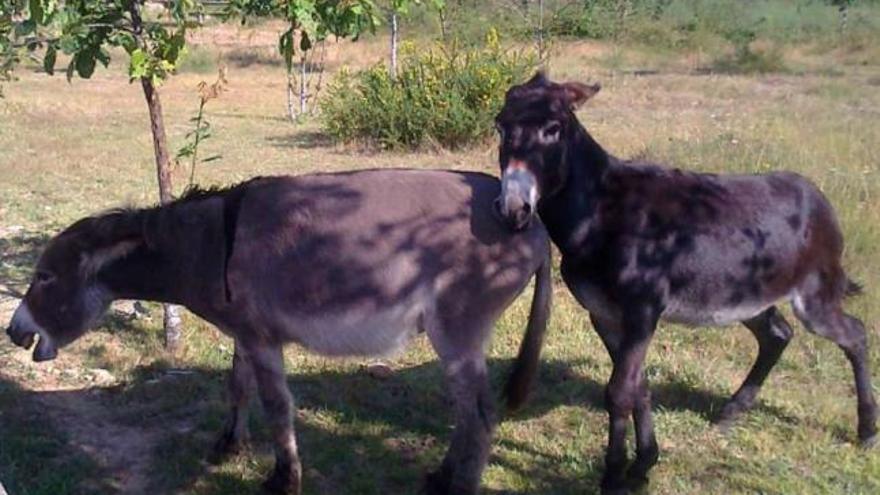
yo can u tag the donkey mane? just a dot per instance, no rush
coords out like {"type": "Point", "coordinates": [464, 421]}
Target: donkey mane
{"type": "Point", "coordinates": [114, 233]}
{"type": "Point", "coordinates": [198, 193]}
{"type": "Point", "coordinates": [93, 231]}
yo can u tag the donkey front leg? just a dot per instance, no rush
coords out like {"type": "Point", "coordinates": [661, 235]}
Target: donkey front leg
{"type": "Point", "coordinates": [647, 451]}
{"type": "Point", "coordinates": [468, 452]}
{"type": "Point", "coordinates": [241, 382]}
{"type": "Point", "coordinates": [625, 396]}
{"type": "Point", "coordinates": [268, 365]}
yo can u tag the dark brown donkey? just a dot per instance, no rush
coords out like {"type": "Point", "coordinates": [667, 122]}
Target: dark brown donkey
{"type": "Point", "coordinates": [342, 264]}
{"type": "Point", "coordinates": [641, 243]}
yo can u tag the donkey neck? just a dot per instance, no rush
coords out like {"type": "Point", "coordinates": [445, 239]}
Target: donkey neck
{"type": "Point", "coordinates": [180, 256]}
{"type": "Point", "coordinates": [142, 274]}
{"type": "Point", "coordinates": [570, 215]}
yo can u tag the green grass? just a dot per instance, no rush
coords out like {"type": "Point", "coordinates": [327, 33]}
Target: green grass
{"type": "Point", "coordinates": [72, 150]}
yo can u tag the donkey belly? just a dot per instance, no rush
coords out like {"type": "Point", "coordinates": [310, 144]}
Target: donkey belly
{"type": "Point", "coordinates": [716, 300]}
{"type": "Point", "coordinates": [357, 331]}
{"type": "Point", "coordinates": [692, 314]}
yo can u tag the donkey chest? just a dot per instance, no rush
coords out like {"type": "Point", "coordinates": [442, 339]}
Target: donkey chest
{"type": "Point", "coordinates": [590, 293]}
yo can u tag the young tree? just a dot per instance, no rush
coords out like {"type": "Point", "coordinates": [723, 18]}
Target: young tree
{"type": "Point", "coordinates": [535, 22]}
{"type": "Point", "coordinates": [843, 12]}
{"type": "Point", "coordinates": [397, 9]}
{"type": "Point", "coordinates": [310, 23]}
{"type": "Point", "coordinates": [84, 30]}
{"type": "Point", "coordinates": [8, 53]}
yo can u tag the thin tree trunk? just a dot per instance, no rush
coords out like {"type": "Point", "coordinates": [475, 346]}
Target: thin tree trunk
{"type": "Point", "coordinates": [394, 42]}
{"type": "Point", "coordinates": [291, 113]}
{"type": "Point", "coordinates": [171, 318]}
{"type": "Point", "coordinates": [302, 84]}
{"type": "Point", "coordinates": [444, 29]}
{"type": "Point", "coordinates": [316, 91]}
{"type": "Point", "coordinates": [541, 54]}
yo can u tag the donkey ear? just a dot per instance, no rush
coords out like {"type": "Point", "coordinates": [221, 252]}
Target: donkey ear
{"type": "Point", "coordinates": [576, 93]}
{"type": "Point", "coordinates": [539, 79]}
{"type": "Point", "coordinates": [92, 262]}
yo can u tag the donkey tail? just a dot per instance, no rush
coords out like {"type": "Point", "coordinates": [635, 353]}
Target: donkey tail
{"type": "Point", "coordinates": [852, 288]}
{"type": "Point", "coordinates": [525, 367]}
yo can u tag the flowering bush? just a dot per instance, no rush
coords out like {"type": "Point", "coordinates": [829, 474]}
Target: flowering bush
{"type": "Point", "coordinates": [446, 96]}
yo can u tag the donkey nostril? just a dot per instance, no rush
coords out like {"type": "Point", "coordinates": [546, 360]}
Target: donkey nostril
{"type": "Point", "coordinates": [527, 208]}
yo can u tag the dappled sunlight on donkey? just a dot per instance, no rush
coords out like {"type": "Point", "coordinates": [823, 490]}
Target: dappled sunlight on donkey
{"type": "Point", "coordinates": [341, 264]}
{"type": "Point", "coordinates": [641, 243]}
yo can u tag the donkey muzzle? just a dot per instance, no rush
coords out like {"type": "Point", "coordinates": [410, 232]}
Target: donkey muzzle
{"type": "Point", "coordinates": [45, 350]}
{"type": "Point", "coordinates": [23, 331]}
{"type": "Point", "coordinates": [21, 337]}
{"type": "Point", "coordinates": [519, 195]}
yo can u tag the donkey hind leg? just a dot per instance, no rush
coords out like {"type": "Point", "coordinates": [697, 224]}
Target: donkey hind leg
{"type": "Point", "coordinates": [268, 365]}
{"type": "Point", "coordinates": [647, 449]}
{"type": "Point", "coordinates": [773, 334]}
{"type": "Point", "coordinates": [467, 381]}
{"type": "Point", "coordinates": [824, 316]}
{"type": "Point", "coordinates": [241, 383]}
{"type": "Point", "coordinates": [623, 398]}
{"type": "Point", "coordinates": [468, 384]}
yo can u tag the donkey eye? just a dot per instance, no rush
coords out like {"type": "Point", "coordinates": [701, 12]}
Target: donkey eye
{"type": "Point", "coordinates": [550, 133]}
{"type": "Point", "coordinates": [43, 277]}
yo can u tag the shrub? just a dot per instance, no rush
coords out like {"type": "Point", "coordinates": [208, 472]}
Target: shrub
{"type": "Point", "coordinates": [689, 23]}
{"type": "Point", "coordinates": [445, 95]}
{"type": "Point", "coordinates": [750, 61]}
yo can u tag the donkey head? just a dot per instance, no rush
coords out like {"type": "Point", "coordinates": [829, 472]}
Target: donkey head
{"type": "Point", "coordinates": [64, 298]}
{"type": "Point", "coordinates": [536, 125]}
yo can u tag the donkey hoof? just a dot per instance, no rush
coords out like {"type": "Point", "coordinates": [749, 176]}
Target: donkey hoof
{"type": "Point", "coordinates": [636, 482]}
{"type": "Point", "coordinates": [282, 482]}
{"type": "Point", "coordinates": [436, 483]}
{"type": "Point", "coordinates": [729, 414]}
{"type": "Point", "coordinates": [614, 490]}
{"type": "Point", "coordinates": [724, 425]}
{"type": "Point", "coordinates": [869, 442]}
{"type": "Point", "coordinates": [226, 446]}
{"type": "Point", "coordinates": [637, 474]}
{"type": "Point", "coordinates": [614, 486]}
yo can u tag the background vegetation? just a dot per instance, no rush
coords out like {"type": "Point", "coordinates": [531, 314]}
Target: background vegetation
{"type": "Point", "coordinates": [117, 414]}
{"type": "Point", "coordinates": [446, 95]}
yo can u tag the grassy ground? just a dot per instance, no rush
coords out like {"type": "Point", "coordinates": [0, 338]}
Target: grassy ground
{"type": "Point", "coordinates": [115, 414]}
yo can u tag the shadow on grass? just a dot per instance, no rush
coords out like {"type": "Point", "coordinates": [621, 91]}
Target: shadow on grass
{"type": "Point", "coordinates": [37, 458]}
{"type": "Point", "coordinates": [357, 435]}
{"type": "Point", "coordinates": [556, 387]}
{"type": "Point", "coordinates": [305, 140]}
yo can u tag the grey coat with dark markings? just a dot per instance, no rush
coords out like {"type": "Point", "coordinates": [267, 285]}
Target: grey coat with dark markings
{"type": "Point", "coordinates": [342, 264]}
{"type": "Point", "coordinates": [642, 243]}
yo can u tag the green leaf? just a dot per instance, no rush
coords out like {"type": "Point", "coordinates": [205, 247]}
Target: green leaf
{"type": "Point", "coordinates": [71, 68]}
{"type": "Point", "coordinates": [24, 28]}
{"type": "Point", "coordinates": [125, 40]}
{"type": "Point", "coordinates": [103, 56]}
{"type": "Point", "coordinates": [69, 44]}
{"type": "Point", "coordinates": [212, 158]}
{"type": "Point", "coordinates": [137, 66]}
{"type": "Point", "coordinates": [85, 63]}
{"type": "Point", "coordinates": [49, 60]}
{"type": "Point", "coordinates": [285, 47]}
{"type": "Point", "coordinates": [36, 8]}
